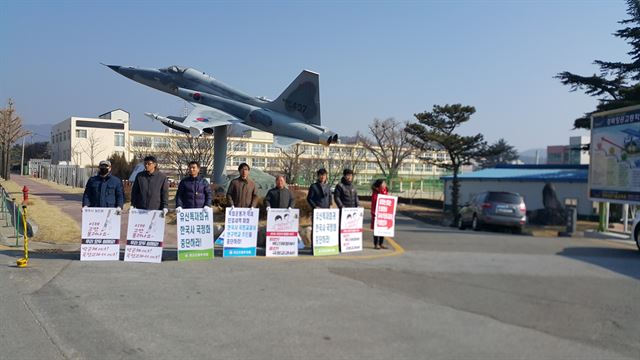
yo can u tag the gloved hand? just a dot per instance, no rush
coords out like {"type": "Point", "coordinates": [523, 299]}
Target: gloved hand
{"type": "Point", "coordinates": [205, 208]}
{"type": "Point", "coordinates": [118, 210]}
{"type": "Point", "coordinates": [179, 208]}
{"type": "Point", "coordinates": [289, 208]}
{"type": "Point", "coordinates": [164, 212]}
{"type": "Point", "coordinates": [84, 206]}
{"type": "Point", "coordinates": [268, 208]}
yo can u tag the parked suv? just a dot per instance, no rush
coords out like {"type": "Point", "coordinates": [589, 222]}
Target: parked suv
{"type": "Point", "coordinates": [499, 208]}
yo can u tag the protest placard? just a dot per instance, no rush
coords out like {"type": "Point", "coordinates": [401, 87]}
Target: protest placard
{"type": "Point", "coordinates": [351, 229]}
{"type": "Point", "coordinates": [282, 232]}
{"type": "Point", "coordinates": [240, 232]}
{"type": "Point", "coordinates": [195, 234]}
{"type": "Point", "coordinates": [325, 232]}
{"type": "Point", "coordinates": [385, 221]}
{"type": "Point", "coordinates": [100, 234]}
{"type": "Point", "coordinates": [145, 234]}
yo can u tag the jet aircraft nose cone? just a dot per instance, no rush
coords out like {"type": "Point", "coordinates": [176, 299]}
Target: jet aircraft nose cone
{"type": "Point", "coordinates": [114, 67]}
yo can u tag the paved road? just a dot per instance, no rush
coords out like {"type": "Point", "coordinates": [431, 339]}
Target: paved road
{"type": "Point", "coordinates": [451, 294]}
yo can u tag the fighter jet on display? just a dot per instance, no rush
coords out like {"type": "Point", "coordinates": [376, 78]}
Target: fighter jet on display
{"type": "Point", "coordinates": [293, 117]}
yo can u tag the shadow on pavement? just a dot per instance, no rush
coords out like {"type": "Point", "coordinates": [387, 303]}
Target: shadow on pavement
{"type": "Point", "coordinates": [168, 254]}
{"type": "Point", "coordinates": [64, 196]}
{"type": "Point", "coordinates": [622, 261]}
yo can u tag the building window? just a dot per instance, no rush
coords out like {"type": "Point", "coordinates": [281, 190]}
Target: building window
{"type": "Point", "coordinates": [372, 166]}
{"type": "Point", "coordinates": [440, 156]}
{"type": "Point", "coordinates": [160, 142]}
{"type": "Point", "coordinates": [273, 163]}
{"type": "Point", "coordinates": [118, 138]}
{"type": "Point", "coordinates": [272, 149]}
{"type": "Point", "coordinates": [142, 141]}
{"type": "Point", "coordinates": [258, 148]}
{"type": "Point", "coordinates": [81, 134]}
{"type": "Point", "coordinates": [405, 168]}
{"type": "Point", "coordinates": [258, 162]}
{"type": "Point", "coordinates": [238, 146]}
{"type": "Point", "coordinates": [238, 160]}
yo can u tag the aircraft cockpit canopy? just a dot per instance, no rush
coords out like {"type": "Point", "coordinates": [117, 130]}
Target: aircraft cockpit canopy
{"type": "Point", "coordinates": [175, 69]}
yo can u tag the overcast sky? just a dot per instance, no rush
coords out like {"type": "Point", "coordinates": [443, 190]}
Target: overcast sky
{"type": "Point", "coordinates": [376, 59]}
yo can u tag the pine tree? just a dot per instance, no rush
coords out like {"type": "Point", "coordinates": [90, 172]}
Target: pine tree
{"type": "Point", "coordinates": [436, 132]}
{"type": "Point", "coordinates": [618, 84]}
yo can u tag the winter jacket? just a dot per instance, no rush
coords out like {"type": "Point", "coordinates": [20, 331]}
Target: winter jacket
{"type": "Point", "coordinates": [103, 192]}
{"type": "Point", "coordinates": [150, 191]}
{"type": "Point", "coordinates": [374, 202]}
{"type": "Point", "coordinates": [279, 198]}
{"type": "Point", "coordinates": [242, 193]}
{"type": "Point", "coordinates": [346, 194]}
{"type": "Point", "coordinates": [193, 192]}
{"type": "Point", "coordinates": [319, 196]}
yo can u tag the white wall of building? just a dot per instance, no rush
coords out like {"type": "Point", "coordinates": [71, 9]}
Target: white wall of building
{"type": "Point", "coordinates": [79, 139]}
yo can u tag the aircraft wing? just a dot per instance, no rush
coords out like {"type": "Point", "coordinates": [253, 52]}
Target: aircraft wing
{"type": "Point", "coordinates": [202, 117]}
{"type": "Point", "coordinates": [284, 141]}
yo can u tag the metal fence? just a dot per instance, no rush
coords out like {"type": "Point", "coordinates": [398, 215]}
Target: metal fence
{"type": "Point", "coordinates": [70, 175]}
{"type": "Point", "coordinates": [11, 215]}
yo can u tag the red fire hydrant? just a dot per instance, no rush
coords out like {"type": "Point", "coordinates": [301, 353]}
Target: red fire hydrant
{"type": "Point", "coordinates": [25, 194]}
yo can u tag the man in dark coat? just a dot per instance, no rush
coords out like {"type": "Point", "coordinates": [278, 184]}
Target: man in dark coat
{"type": "Point", "coordinates": [150, 189]}
{"type": "Point", "coordinates": [279, 197]}
{"type": "Point", "coordinates": [242, 190]}
{"type": "Point", "coordinates": [194, 191]}
{"type": "Point", "coordinates": [104, 189]}
{"type": "Point", "coordinates": [319, 195]}
{"type": "Point", "coordinates": [345, 193]}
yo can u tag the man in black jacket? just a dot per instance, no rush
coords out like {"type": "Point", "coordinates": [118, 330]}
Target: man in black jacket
{"type": "Point", "coordinates": [345, 193]}
{"type": "Point", "coordinates": [150, 189]}
{"type": "Point", "coordinates": [279, 197]}
{"type": "Point", "coordinates": [319, 195]}
{"type": "Point", "coordinates": [104, 189]}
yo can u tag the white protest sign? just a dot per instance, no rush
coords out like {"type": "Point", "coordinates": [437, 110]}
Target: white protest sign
{"type": "Point", "coordinates": [385, 221]}
{"type": "Point", "coordinates": [195, 234]}
{"type": "Point", "coordinates": [145, 234]}
{"type": "Point", "coordinates": [325, 232]}
{"type": "Point", "coordinates": [240, 232]}
{"type": "Point", "coordinates": [282, 232]}
{"type": "Point", "coordinates": [100, 234]}
{"type": "Point", "coordinates": [351, 229]}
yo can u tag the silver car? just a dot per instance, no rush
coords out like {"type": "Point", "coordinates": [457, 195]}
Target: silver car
{"type": "Point", "coordinates": [498, 208]}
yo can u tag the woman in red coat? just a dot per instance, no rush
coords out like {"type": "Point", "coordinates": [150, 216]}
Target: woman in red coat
{"type": "Point", "coordinates": [378, 187]}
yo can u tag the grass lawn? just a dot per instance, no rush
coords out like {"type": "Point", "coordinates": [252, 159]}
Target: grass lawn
{"type": "Point", "coordinates": [54, 226]}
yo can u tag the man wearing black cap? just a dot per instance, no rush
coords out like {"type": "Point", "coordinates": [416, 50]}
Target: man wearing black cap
{"type": "Point", "coordinates": [150, 189]}
{"type": "Point", "coordinates": [104, 189]}
{"type": "Point", "coordinates": [345, 193]}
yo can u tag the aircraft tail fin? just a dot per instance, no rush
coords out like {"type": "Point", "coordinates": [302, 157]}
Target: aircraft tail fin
{"type": "Point", "coordinates": [301, 99]}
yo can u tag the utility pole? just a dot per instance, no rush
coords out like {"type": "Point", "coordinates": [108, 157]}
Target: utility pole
{"type": "Point", "coordinates": [22, 158]}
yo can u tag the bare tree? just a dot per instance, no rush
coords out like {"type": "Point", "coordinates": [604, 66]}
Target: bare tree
{"type": "Point", "coordinates": [390, 145]}
{"type": "Point", "coordinates": [10, 131]}
{"type": "Point", "coordinates": [290, 161]}
{"type": "Point", "coordinates": [92, 147]}
{"type": "Point", "coordinates": [186, 148]}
